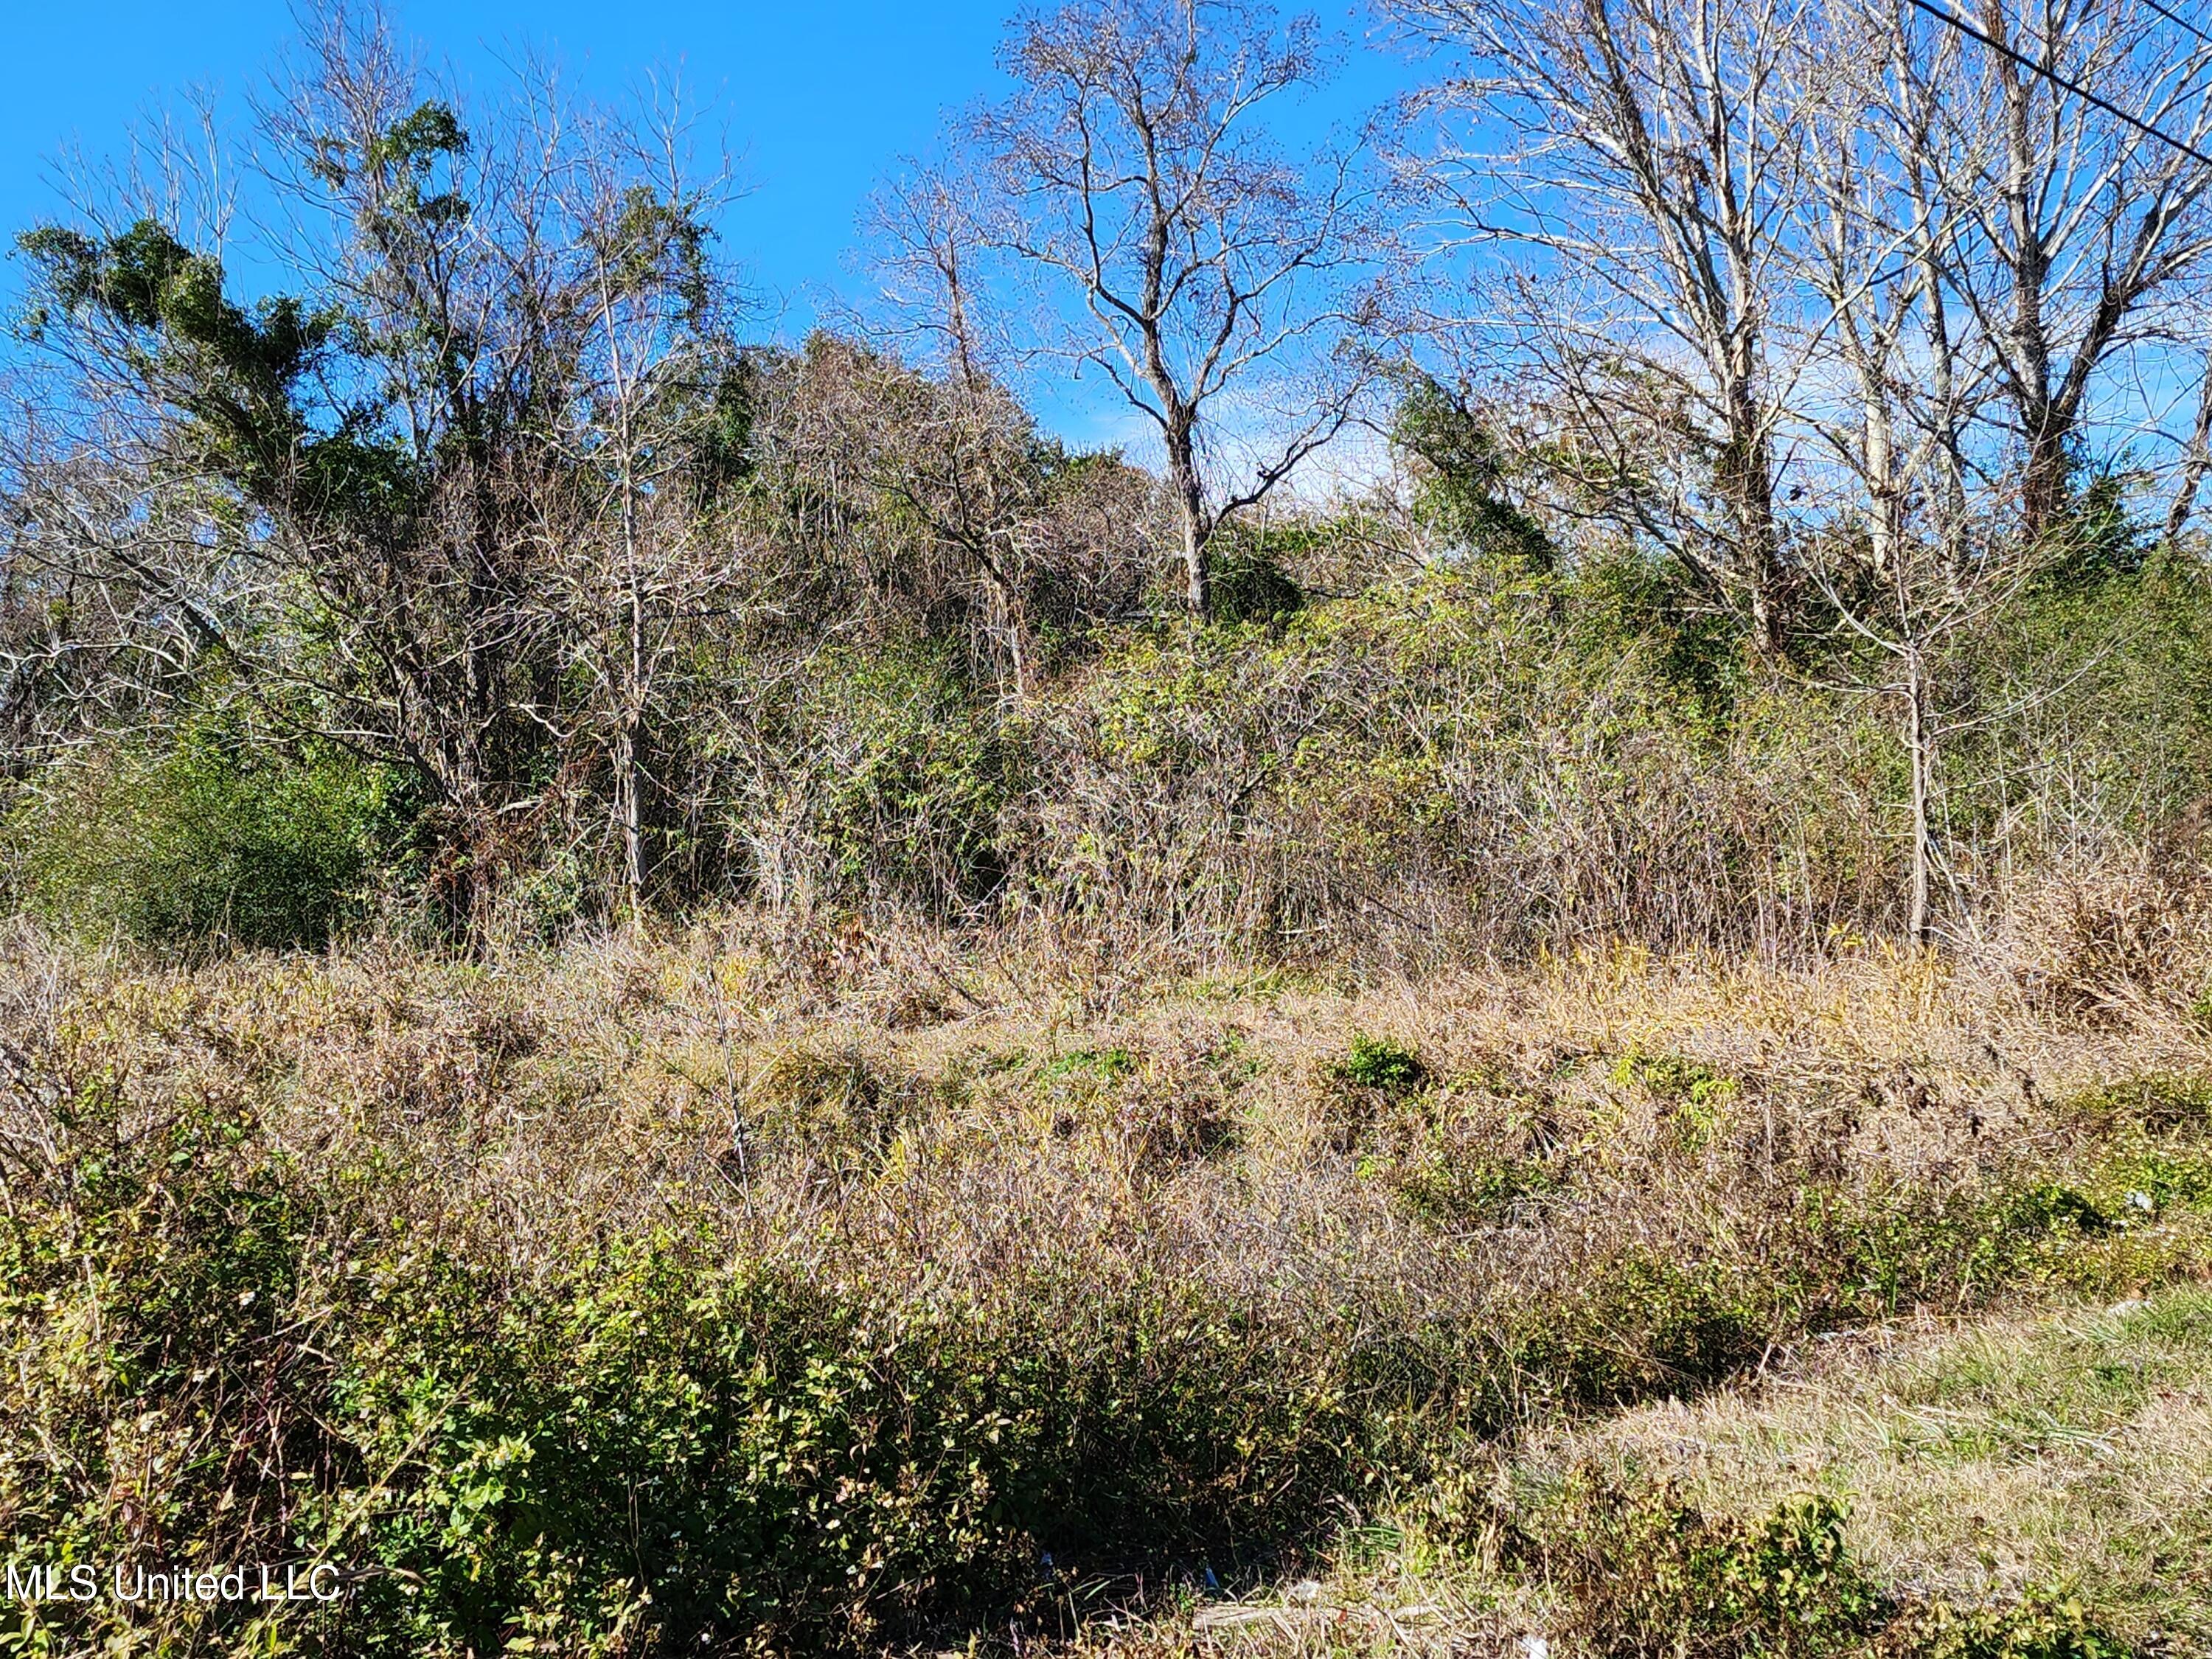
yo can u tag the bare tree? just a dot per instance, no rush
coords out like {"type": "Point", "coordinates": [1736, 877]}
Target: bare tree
{"type": "Point", "coordinates": [632, 547]}
{"type": "Point", "coordinates": [1133, 172]}
{"type": "Point", "coordinates": [1892, 377]}
{"type": "Point", "coordinates": [925, 225]}
{"type": "Point", "coordinates": [948, 439]}
{"type": "Point", "coordinates": [2196, 460]}
{"type": "Point", "coordinates": [1900, 629]}
{"type": "Point", "coordinates": [1652, 168]}
{"type": "Point", "coordinates": [1902, 243]}
{"type": "Point", "coordinates": [2083, 227]}
{"type": "Point", "coordinates": [942, 509]}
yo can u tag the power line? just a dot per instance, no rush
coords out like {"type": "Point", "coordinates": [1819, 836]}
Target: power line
{"type": "Point", "coordinates": [2178, 21]}
{"type": "Point", "coordinates": [2058, 80]}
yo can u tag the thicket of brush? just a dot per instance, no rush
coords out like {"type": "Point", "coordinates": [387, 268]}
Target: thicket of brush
{"type": "Point", "coordinates": [308, 630]}
{"type": "Point", "coordinates": [755, 1290]}
{"type": "Point", "coordinates": [669, 995]}
{"type": "Point", "coordinates": [1470, 760]}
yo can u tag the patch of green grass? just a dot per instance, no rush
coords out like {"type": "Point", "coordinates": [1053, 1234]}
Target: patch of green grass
{"type": "Point", "coordinates": [1382, 1064]}
{"type": "Point", "coordinates": [2069, 1455]}
{"type": "Point", "coordinates": [1106, 1065]}
{"type": "Point", "coordinates": [2159, 1103]}
{"type": "Point", "coordinates": [1697, 1097]}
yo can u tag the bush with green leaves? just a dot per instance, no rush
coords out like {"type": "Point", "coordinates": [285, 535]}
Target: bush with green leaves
{"type": "Point", "coordinates": [1381, 1063]}
{"type": "Point", "coordinates": [873, 777]}
{"type": "Point", "coordinates": [1249, 586]}
{"type": "Point", "coordinates": [203, 836]}
{"type": "Point", "coordinates": [663, 1445]}
{"type": "Point", "coordinates": [1482, 760]}
{"type": "Point", "coordinates": [1631, 1567]}
{"type": "Point", "coordinates": [724, 1452]}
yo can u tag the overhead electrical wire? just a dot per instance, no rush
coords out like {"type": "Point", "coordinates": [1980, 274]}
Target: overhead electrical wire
{"type": "Point", "coordinates": [2057, 80]}
{"type": "Point", "coordinates": [2180, 22]}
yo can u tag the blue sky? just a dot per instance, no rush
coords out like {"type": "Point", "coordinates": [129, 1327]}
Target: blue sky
{"type": "Point", "coordinates": [819, 97]}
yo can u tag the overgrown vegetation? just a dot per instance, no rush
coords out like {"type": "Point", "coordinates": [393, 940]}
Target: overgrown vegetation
{"type": "Point", "coordinates": [710, 1294]}
{"type": "Point", "coordinates": [666, 993]}
{"type": "Point", "coordinates": [204, 837]}
{"type": "Point", "coordinates": [601, 610]}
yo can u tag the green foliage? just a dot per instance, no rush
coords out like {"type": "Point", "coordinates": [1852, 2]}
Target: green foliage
{"type": "Point", "coordinates": [2160, 1102]}
{"type": "Point", "coordinates": [1697, 1308]}
{"type": "Point", "coordinates": [908, 780]}
{"type": "Point", "coordinates": [1107, 1065]}
{"type": "Point", "coordinates": [716, 414]}
{"type": "Point", "coordinates": [2095, 539]}
{"type": "Point", "coordinates": [1637, 1569]}
{"type": "Point", "coordinates": [2104, 671]}
{"type": "Point", "coordinates": [1695, 646]}
{"type": "Point", "coordinates": [809, 1462]}
{"type": "Point", "coordinates": [231, 372]}
{"type": "Point", "coordinates": [1249, 586]}
{"type": "Point", "coordinates": [2044, 1624]}
{"type": "Point", "coordinates": [672, 1437]}
{"type": "Point", "coordinates": [1457, 1189]}
{"type": "Point", "coordinates": [1382, 1064]}
{"type": "Point", "coordinates": [209, 837]}
{"type": "Point", "coordinates": [140, 1301]}
{"type": "Point", "coordinates": [424, 135]}
{"type": "Point", "coordinates": [1697, 1097]}
{"type": "Point", "coordinates": [144, 278]}
{"type": "Point", "coordinates": [661, 1446]}
{"type": "Point", "coordinates": [1651, 1319]}
{"type": "Point", "coordinates": [1462, 467]}
{"type": "Point", "coordinates": [1644, 1571]}
{"type": "Point", "coordinates": [1469, 761]}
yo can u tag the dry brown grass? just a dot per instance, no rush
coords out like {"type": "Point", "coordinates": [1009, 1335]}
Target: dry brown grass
{"type": "Point", "coordinates": [897, 1098]}
{"type": "Point", "coordinates": [920, 1114]}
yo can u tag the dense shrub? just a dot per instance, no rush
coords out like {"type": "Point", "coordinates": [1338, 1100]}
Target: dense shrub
{"type": "Point", "coordinates": [1643, 1572]}
{"type": "Point", "coordinates": [660, 1448]}
{"type": "Point", "coordinates": [722, 1453]}
{"type": "Point", "coordinates": [1489, 758]}
{"type": "Point", "coordinates": [2098, 675]}
{"type": "Point", "coordinates": [665, 1449]}
{"type": "Point", "coordinates": [1481, 760]}
{"type": "Point", "coordinates": [1249, 586]}
{"type": "Point", "coordinates": [874, 777]}
{"type": "Point", "coordinates": [205, 838]}
{"type": "Point", "coordinates": [1634, 1569]}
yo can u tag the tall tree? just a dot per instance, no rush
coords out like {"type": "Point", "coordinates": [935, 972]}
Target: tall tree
{"type": "Point", "coordinates": [635, 561]}
{"type": "Point", "coordinates": [1133, 173]}
{"type": "Point", "coordinates": [1650, 171]}
{"type": "Point", "coordinates": [2083, 228]}
{"type": "Point", "coordinates": [369, 463]}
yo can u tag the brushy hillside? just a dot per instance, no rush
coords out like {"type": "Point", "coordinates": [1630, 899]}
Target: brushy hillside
{"type": "Point", "coordinates": [1467, 762]}
{"type": "Point", "coordinates": [1538, 982]}
{"type": "Point", "coordinates": [765, 1286]}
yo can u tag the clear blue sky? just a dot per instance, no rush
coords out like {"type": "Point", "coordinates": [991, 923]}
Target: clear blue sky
{"type": "Point", "coordinates": [819, 97]}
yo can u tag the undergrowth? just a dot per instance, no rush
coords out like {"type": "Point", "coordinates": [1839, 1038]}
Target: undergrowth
{"type": "Point", "coordinates": [806, 1342]}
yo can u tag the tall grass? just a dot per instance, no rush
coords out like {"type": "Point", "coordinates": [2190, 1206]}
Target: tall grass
{"type": "Point", "coordinates": [722, 1291]}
